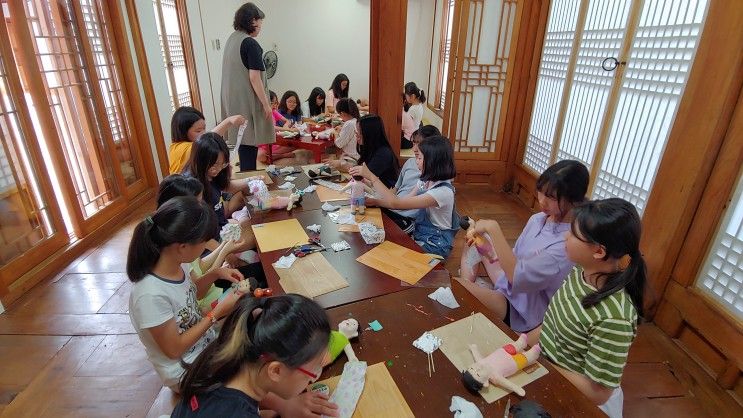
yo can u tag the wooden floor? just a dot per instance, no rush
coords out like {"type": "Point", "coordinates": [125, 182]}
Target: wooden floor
{"type": "Point", "coordinates": [67, 347]}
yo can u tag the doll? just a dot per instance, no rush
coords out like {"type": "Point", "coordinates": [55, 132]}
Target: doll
{"type": "Point", "coordinates": [499, 365]}
{"type": "Point", "coordinates": [358, 194]}
{"type": "Point", "coordinates": [263, 199]}
{"type": "Point", "coordinates": [340, 340]}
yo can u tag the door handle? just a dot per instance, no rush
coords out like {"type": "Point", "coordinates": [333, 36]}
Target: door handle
{"type": "Point", "coordinates": [611, 63]}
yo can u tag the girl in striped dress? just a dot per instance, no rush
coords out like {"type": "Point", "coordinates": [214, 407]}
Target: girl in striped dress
{"type": "Point", "coordinates": [592, 319]}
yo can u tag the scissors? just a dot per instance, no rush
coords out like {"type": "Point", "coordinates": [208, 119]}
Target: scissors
{"type": "Point", "coordinates": [314, 245]}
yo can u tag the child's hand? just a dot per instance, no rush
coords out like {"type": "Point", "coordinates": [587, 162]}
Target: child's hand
{"type": "Point", "coordinates": [309, 404]}
{"type": "Point", "coordinates": [227, 304]}
{"type": "Point", "coordinates": [334, 164]}
{"type": "Point", "coordinates": [360, 170]}
{"type": "Point", "coordinates": [230, 246]}
{"type": "Point", "coordinates": [470, 237]}
{"type": "Point", "coordinates": [229, 274]}
{"type": "Point", "coordinates": [484, 225]}
{"type": "Point", "coordinates": [237, 120]}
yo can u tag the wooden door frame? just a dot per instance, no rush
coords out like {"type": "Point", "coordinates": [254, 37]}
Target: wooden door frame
{"type": "Point", "coordinates": [694, 143]}
{"type": "Point", "coordinates": [387, 65]}
{"type": "Point", "coordinates": [52, 263]}
{"type": "Point", "coordinates": [59, 238]}
{"type": "Point", "coordinates": [701, 122]}
{"type": "Point", "coordinates": [684, 305]}
{"type": "Point", "coordinates": [147, 87]}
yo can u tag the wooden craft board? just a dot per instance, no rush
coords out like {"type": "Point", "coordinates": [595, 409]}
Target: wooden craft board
{"type": "Point", "coordinates": [311, 276]}
{"type": "Point", "coordinates": [397, 261]}
{"type": "Point", "coordinates": [371, 215]}
{"type": "Point", "coordinates": [456, 338]}
{"type": "Point", "coordinates": [245, 174]}
{"type": "Point", "coordinates": [381, 396]}
{"type": "Point", "coordinates": [278, 235]}
{"type": "Point", "coordinates": [329, 195]}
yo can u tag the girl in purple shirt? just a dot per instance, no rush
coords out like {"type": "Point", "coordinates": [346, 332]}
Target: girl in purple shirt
{"type": "Point", "coordinates": [525, 278]}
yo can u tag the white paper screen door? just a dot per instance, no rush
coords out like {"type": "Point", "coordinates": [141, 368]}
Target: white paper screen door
{"type": "Point", "coordinates": [617, 121]}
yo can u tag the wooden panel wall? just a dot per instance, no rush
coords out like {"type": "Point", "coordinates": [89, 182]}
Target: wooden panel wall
{"type": "Point", "coordinates": [528, 33]}
{"type": "Point", "coordinates": [695, 179]}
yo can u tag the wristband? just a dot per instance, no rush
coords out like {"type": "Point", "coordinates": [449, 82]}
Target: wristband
{"type": "Point", "coordinates": [211, 316]}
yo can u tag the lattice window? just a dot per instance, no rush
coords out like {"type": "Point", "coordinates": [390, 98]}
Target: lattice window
{"type": "Point", "coordinates": [602, 37]}
{"type": "Point", "coordinates": [59, 52]}
{"type": "Point", "coordinates": [657, 69]}
{"type": "Point", "coordinates": [721, 276]}
{"type": "Point", "coordinates": [107, 70]}
{"type": "Point", "coordinates": [575, 112]}
{"type": "Point", "coordinates": [482, 80]}
{"type": "Point", "coordinates": [553, 72]}
{"type": "Point", "coordinates": [23, 209]}
{"type": "Point", "coordinates": [170, 30]}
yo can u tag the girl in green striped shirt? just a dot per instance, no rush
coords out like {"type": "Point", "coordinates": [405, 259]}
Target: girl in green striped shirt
{"type": "Point", "coordinates": [592, 319]}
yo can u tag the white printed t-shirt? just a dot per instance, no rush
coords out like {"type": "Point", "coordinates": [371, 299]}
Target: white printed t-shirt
{"type": "Point", "coordinates": [155, 300]}
{"type": "Point", "coordinates": [440, 216]}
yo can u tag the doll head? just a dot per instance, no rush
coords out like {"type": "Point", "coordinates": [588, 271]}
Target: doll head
{"type": "Point", "coordinates": [349, 327]}
{"type": "Point", "coordinates": [476, 377]}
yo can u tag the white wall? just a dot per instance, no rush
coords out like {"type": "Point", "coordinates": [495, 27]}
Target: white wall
{"type": "Point", "coordinates": [135, 62]}
{"type": "Point", "coordinates": [418, 42]}
{"type": "Point", "coordinates": [146, 16]}
{"type": "Point", "coordinates": [314, 40]}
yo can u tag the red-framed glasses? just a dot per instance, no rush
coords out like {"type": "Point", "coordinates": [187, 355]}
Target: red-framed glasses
{"type": "Point", "coordinates": [308, 373]}
{"type": "Point", "coordinates": [267, 358]}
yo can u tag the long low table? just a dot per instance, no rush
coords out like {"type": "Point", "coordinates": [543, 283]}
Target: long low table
{"type": "Point", "coordinates": [372, 295]}
{"type": "Point", "coordinates": [364, 282]}
{"type": "Point", "coordinates": [317, 146]}
{"type": "Point", "coordinates": [430, 397]}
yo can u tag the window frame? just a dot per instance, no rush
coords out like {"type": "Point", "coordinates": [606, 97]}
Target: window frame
{"type": "Point", "coordinates": [184, 31]}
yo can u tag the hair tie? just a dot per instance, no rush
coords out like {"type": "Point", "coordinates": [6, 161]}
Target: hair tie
{"type": "Point", "coordinates": [624, 261]}
{"type": "Point", "coordinates": [148, 220]}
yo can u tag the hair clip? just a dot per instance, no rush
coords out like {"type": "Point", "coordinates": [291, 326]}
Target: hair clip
{"type": "Point", "coordinates": [624, 262]}
{"type": "Point", "coordinates": [148, 220]}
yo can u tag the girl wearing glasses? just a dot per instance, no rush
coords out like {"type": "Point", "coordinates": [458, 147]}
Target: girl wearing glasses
{"type": "Point", "coordinates": [267, 352]}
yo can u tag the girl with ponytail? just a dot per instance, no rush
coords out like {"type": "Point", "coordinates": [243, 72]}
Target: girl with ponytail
{"type": "Point", "coordinates": [267, 348]}
{"type": "Point", "coordinates": [592, 319]}
{"type": "Point", "coordinates": [414, 98]}
{"type": "Point", "coordinates": [163, 302]}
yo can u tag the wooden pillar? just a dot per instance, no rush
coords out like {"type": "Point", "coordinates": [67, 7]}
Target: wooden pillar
{"type": "Point", "coordinates": [702, 121]}
{"type": "Point", "coordinates": [387, 65]}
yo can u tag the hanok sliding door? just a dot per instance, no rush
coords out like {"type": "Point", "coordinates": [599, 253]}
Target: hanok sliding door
{"type": "Point", "coordinates": [610, 79]}
{"type": "Point", "coordinates": [31, 224]}
{"type": "Point", "coordinates": [71, 72]}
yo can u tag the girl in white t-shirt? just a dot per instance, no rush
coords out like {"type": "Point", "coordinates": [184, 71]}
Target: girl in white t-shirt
{"type": "Point", "coordinates": [163, 304]}
{"type": "Point", "coordinates": [414, 99]}
{"type": "Point", "coordinates": [436, 226]}
{"type": "Point", "coordinates": [345, 138]}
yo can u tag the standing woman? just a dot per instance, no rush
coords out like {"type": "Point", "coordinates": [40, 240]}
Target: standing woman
{"type": "Point", "coordinates": [244, 85]}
